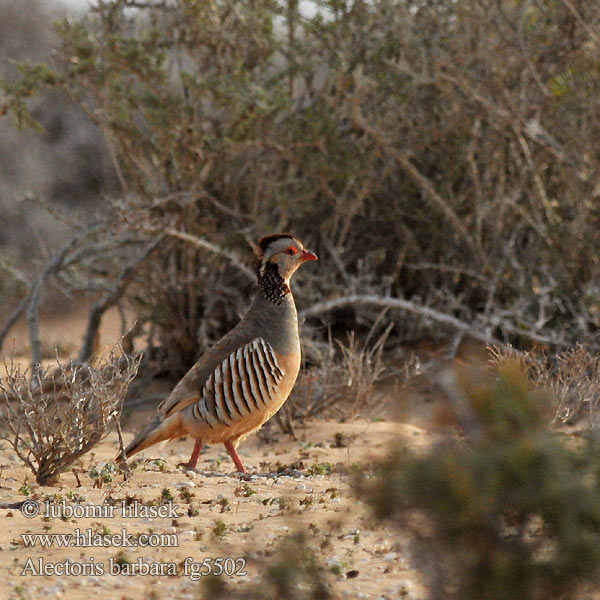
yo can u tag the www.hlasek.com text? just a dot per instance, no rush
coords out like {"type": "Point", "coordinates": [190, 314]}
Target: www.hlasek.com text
{"type": "Point", "coordinates": [94, 539]}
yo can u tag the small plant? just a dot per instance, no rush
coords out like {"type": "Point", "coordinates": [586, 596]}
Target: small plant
{"type": "Point", "coordinates": [101, 528]}
{"type": "Point", "coordinates": [101, 476]}
{"type": "Point", "coordinates": [244, 490]}
{"type": "Point", "coordinates": [166, 495]}
{"type": "Point", "coordinates": [220, 529]}
{"type": "Point", "coordinates": [186, 495]}
{"type": "Point", "coordinates": [20, 592]}
{"type": "Point", "coordinates": [320, 469]}
{"type": "Point", "coordinates": [25, 489]}
{"type": "Point", "coordinates": [122, 559]}
{"type": "Point", "coordinates": [160, 464]}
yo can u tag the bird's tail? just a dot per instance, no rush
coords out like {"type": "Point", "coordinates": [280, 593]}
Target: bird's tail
{"type": "Point", "coordinates": [158, 430]}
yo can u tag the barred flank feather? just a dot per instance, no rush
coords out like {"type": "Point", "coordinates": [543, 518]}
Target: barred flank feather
{"type": "Point", "coordinates": [242, 383]}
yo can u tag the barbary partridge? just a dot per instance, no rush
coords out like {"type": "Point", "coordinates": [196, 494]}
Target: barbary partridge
{"type": "Point", "coordinates": [245, 378]}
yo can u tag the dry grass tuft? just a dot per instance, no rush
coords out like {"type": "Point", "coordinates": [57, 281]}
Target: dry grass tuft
{"type": "Point", "coordinates": [572, 376]}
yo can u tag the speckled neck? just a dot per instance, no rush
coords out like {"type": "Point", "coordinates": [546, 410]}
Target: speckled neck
{"type": "Point", "coordinates": [272, 285]}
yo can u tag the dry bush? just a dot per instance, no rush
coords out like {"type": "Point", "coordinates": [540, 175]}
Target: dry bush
{"type": "Point", "coordinates": [62, 412]}
{"type": "Point", "coordinates": [573, 377]}
{"type": "Point", "coordinates": [441, 152]}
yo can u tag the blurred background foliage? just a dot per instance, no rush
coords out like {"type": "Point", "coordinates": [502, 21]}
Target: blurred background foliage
{"type": "Point", "coordinates": [442, 152]}
{"type": "Point", "coordinates": [510, 511]}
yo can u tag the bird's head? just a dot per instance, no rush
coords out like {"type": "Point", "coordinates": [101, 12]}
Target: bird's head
{"type": "Point", "coordinates": [284, 252]}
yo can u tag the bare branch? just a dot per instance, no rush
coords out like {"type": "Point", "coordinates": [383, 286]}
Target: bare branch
{"type": "Point", "coordinates": [206, 245]}
{"type": "Point", "coordinates": [37, 290]}
{"type": "Point", "coordinates": [12, 319]}
{"type": "Point", "coordinates": [435, 315]}
{"type": "Point", "coordinates": [110, 299]}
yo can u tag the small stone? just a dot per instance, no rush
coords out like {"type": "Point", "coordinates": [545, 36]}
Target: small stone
{"type": "Point", "coordinates": [185, 484]}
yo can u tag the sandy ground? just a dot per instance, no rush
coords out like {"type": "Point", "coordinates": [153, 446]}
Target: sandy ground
{"type": "Point", "coordinates": [256, 515]}
{"type": "Point", "coordinates": [213, 512]}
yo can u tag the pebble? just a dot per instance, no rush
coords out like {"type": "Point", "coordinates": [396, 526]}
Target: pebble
{"type": "Point", "coordinates": [55, 590]}
{"type": "Point", "coordinates": [190, 474]}
{"type": "Point", "coordinates": [333, 561]}
{"type": "Point", "coordinates": [390, 557]}
{"type": "Point", "coordinates": [185, 484]}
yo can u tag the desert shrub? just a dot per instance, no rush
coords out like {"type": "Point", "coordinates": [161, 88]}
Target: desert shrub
{"type": "Point", "coordinates": [55, 417]}
{"type": "Point", "coordinates": [573, 377]}
{"type": "Point", "coordinates": [510, 512]}
{"type": "Point", "coordinates": [442, 151]}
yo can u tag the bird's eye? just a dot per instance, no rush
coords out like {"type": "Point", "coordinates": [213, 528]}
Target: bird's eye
{"type": "Point", "coordinates": [291, 251]}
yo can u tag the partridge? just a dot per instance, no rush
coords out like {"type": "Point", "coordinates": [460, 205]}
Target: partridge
{"type": "Point", "coordinates": [245, 378]}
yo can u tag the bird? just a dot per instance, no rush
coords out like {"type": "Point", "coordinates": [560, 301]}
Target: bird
{"type": "Point", "coordinates": [241, 381]}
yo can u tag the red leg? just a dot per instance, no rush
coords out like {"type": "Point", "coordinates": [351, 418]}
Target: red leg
{"type": "Point", "coordinates": [191, 464]}
{"type": "Point", "coordinates": [234, 456]}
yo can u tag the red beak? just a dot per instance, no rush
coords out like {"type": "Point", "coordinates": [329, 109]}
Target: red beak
{"type": "Point", "coordinates": [308, 255]}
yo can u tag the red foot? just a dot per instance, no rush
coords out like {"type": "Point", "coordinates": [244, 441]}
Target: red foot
{"type": "Point", "coordinates": [191, 464]}
{"type": "Point", "coordinates": [234, 457]}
